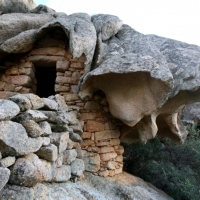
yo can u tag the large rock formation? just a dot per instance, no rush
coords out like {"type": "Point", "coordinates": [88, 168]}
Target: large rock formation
{"type": "Point", "coordinates": [147, 80]}
{"type": "Point", "coordinates": [157, 76]}
{"type": "Point", "coordinates": [16, 6]}
{"type": "Point", "coordinates": [118, 83]}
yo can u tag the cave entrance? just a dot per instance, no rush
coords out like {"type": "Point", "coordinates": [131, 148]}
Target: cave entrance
{"type": "Point", "coordinates": [46, 77]}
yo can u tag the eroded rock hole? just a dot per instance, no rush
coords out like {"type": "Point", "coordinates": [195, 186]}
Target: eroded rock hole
{"type": "Point", "coordinates": [46, 77]}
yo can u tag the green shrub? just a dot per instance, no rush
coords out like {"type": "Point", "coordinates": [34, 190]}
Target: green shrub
{"type": "Point", "coordinates": [175, 169]}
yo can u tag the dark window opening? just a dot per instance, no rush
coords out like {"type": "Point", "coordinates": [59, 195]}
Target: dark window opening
{"type": "Point", "coordinates": [46, 77]}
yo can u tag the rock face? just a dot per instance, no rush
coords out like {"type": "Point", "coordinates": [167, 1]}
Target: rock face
{"type": "Point", "coordinates": [119, 86]}
{"type": "Point", "coordinates": [16, 6]}
{"type": "Point", "coordinates": [191, 113]}
{"type": "Point", "coordinates": [155, 84]}
{"type": "Point", "coordinates": [122, 186]}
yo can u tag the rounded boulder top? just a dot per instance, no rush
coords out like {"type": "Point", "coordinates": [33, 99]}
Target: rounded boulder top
{"type": "Point", "coordinates": [16, 6]}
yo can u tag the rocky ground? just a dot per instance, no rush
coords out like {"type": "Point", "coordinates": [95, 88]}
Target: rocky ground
{"type": "Point", "coordinates": [122, 186]}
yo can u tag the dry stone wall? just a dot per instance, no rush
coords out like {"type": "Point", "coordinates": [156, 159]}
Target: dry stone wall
{"type": "Point", "coordinates": [38, 141]}
{"type": "Point", "coordinates": [100, 133]}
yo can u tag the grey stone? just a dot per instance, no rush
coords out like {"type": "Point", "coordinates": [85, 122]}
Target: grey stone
{"type": "Point", "coordinates": [42, 9]}
{"type": "Point", "coordinates": [27, 171]}
{"type": "Point", "coordinates": [106, 25]}
{"type": "Point", "coordinates": [50, 104]}
{"type": "Point", "coordinates": [60, 140]}
{"type": "Point", "coordinates": [79, 151]}
{"type": "Point", "coordinates": [19, 26]}
{"type": "Point", "coordinates": [69, 156]}
{"type": "Point", "coordinates": [49, 153]}
{"type": "Point", "coordinates": [50, 170]}
{"type": "Point", "coordinates": [60, 117]}
{"type": "Point", "coordinates": [155, 80]}
{"type": "Point", "coordinates": [16, 192]}
{"type": "Point", "coordinates": [72, 119]}
{"type": "Point", "coordinates": [4, 176]}
{"type": "Point", "coordinates": [63, 174]}
{"type": "Point", "coordinates": [59, 161]}
{"type": "Point", "coordinates": [60, 101]}
{"type": "Point", "coordinates": [45, 126]}
{"type": "Point", "coordinates": [75, 137]}
{"type": "Point", "coordinates": [8, 109]}
{"type": "Point", "coordinates": [16, 6]}
{"type": "Point", "coordinates": [40, 192]}
{"type": "Point", "coordinates": [14, 140]}
{"type": "Point", "coordinates": [32, 128]}
{"type": "Point", "coordinates": [91, 161]}
{"type": "Point", "coordinates": [22, 101]}
{"type": "Point", "coordinates": [125, 185]}
{"type": "Point", "coordinates": [191, 113]}
{"type": "Point", "coordinates": [77, 167]}
{"type": "Point", "coordinates": [34, 115]}
{"type": "Point", "coordinates": [46, 141]}
{"type": "Point", "coordinates": [77, 128]}
{"type": "Point", "coordinates": [70, 144]}
{"type": "Point", "coordinates": [7, 162]}
{"type": "Point", "coordinates": [35, 100]}
{"type": "Point", "coordinates": [82, 42]}
{"type": "Point", "coordinates": [59, 127]}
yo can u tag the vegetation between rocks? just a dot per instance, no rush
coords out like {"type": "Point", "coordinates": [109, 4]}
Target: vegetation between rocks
{"type": "Point", "coordinates": [170, 167]}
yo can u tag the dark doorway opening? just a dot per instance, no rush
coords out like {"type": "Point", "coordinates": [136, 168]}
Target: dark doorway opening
{"type": "Point", "coordinates": [46, 77]}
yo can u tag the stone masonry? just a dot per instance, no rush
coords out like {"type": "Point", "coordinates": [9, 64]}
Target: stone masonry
{"type": "Point", "coordinates": [101, 145]}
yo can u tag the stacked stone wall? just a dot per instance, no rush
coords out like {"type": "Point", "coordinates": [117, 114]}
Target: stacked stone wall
{"type": "Point", "coordinates": [38, 142]}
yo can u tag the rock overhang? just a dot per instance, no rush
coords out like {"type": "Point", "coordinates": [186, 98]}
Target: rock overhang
{"type": "Point", "coordinates": [113, 51]}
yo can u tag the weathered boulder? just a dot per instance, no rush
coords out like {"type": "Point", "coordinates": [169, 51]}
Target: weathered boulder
{"type": "Point", "coordinates": [60, 101]}
{"type": "Point", "coordinates": [145, 79]}
{"type": "Point", "coordinates": [16, 6]}
{"type": "Point", "coordinates": [7, 162]}
{"type": "Point", "coordinates": [62, 174]}
{"type": "Point", "coordinates": [49, 153]}
{"type": "Point", "coordinates": [45, 126]}
{"type": "Point", "coordinates": [4, 176]}
{"type": "Point", "coordinates": [93, 187]}
{"type": "Point", "coordinates": [60, 140]}
{"type": "Point", "coordinates": [58, 117]}
{"type": "Point", "coordinates": [22, 101]}
{"type": "Point", "coordinates": [77, 167]}
{"type": "Point", "coordinates": [69, 156]}
{"type": "Point", "coordinates": [155, 83]}
{"type": "Point", "coordinates": [20, 23]}
{"type": "Point", "coordinates": [106, 25]}
{"type": "Point", "coordinates": [34, 26]}
{"type": "Point", "coordinates": [27, 171]}
{"type": "Point", "coordinates": [8, 109]}
{"type": "Point", "coordinates": [32, 128]}
{"type": "Point", "coordinates": [35, 100]}
{"type": "Point", "coordinates": [14, 140]}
